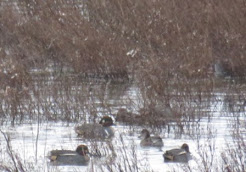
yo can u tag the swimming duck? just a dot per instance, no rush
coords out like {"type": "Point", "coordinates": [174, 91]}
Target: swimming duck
{"type": "Point", "coordinates": [102, 130]}
{"type": "Point", "coordinates": [178, 155]}
{"type": "Point", "coordinates": [127, 117]}
{"type": "Point", "coordinates": [69, 157]}
{"type": "Point", "coordinates": [148, 140]}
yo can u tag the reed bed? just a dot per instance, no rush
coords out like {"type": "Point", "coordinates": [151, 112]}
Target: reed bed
{"type": "Point", "coordinates": [67, 60]}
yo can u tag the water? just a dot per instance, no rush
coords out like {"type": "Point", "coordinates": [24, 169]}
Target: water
{"type": "Point", "coordinates": [31, 141]}
{"type": "Point", "coordinates": [31, 145]}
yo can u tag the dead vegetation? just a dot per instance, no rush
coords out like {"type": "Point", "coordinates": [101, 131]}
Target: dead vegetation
{"type": "Point", "coordinates": [167, 40]}
{"type": "Point", "coordinates": [167, 48]}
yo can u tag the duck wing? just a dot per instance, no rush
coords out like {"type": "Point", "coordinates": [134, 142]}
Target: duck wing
{"type": "Point", "coordinates": [89, 130]}
{"type": "Point", "coordinates": [157, 141]}
{"type": "Point", "coordinates": [171, 154]}
{"type": "Point", "coordinates": [62, 152]}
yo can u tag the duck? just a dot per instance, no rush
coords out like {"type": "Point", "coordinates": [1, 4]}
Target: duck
{"type": "Point", "coordinates": [101, 130]}
{"type": "Point", "coordinates": [124, 116]}
{"type": "Point", "coordinates": [181, 155]}
{"type": "Point", "coordinates": [70, 157]}
{"type": "Point", "coordinates": [147, 140]}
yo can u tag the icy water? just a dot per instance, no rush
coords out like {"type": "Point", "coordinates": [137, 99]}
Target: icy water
{"type": "Point", "coordinates": [33, 145]}
{"type": "Point", "coordinates": [31, 142]}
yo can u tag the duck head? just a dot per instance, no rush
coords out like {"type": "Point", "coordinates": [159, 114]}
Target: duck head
{"type": "Point", "coordinates": [185, 147]}
{"type": "Point", "coordinates": [82, 150]}
{"type": "Point", "coordinates": [106, 121]}
{"type": "Point", "coordinates": [144, 134]}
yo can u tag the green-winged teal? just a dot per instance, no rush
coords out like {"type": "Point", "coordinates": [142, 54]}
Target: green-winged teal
{"type": "Point", "coordinates": [148, 140]}
{"type": "Point", "coordinates": [178, 155]}
{"type": "Point", "coordinates": [70, 157]}
{"type": "Point", "coordinates": [102, 130]}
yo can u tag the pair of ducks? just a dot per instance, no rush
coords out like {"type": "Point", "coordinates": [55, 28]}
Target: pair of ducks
{"type": "Point", "coordinates": [81, 156]}
{"type": "Point", "coordinates": [103, 130]}
{"type": "Point", "coordinates": [174, 155]}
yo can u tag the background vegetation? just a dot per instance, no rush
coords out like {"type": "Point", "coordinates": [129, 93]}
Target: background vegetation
{"type": "Point", "coordinates": [159, 44]}
{"type": "Point", "coordinates": [168, 49]}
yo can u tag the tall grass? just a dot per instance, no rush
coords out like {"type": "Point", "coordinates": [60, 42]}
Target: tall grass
{"type": "Point", "coordinates": [165, 45]}
{"type": "Point", "coordinates": [168, 48]}
{"type": "Point", "coordinates": [171, 39]}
